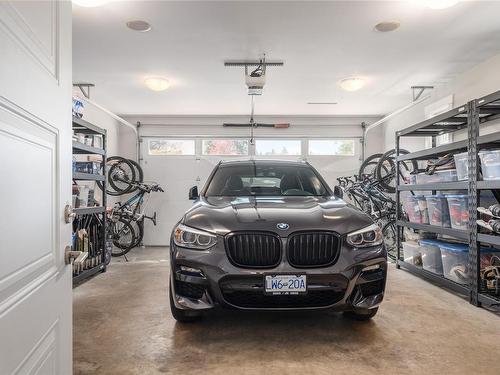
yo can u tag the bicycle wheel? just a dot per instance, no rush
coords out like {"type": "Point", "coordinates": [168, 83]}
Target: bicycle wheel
{"type": "Point", "coordinates": [386, 169]}
{"type": "Point", "coordinates": [124, 237]}
{"type": "Point", "coordinates": [369, 165]}
{"type": "Point", "coordinates": [139, 174]}
{"type": "Point", "coordinates": [120, 175]}
{"type": "Point", "coordinates": [389, 233]}
{"type": "Point", "coordinates": [138, 227]}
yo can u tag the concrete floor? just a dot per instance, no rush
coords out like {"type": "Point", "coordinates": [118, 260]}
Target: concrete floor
{"type": "Point", "coordinates": [122, 325]}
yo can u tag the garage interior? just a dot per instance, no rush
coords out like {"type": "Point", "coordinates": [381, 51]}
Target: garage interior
{"type": "Point", "coordinates": [396, 104]}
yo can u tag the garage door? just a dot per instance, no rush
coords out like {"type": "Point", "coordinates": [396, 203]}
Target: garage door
{"type": "Point", "coordinates": [179, 163]}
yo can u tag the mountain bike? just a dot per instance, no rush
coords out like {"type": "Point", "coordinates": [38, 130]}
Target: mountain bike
{"type": "Point", "coordinates": [127, 219]}
{"type": "Point", "coordinates": [366, 194]}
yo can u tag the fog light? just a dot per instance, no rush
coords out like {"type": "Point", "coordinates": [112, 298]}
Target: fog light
{"type": "Point", "coordinates": [191, 270]}
{"type": "Point", "coordinates": [370, 268]}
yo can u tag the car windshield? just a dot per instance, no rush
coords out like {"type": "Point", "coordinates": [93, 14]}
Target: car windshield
{"type": "Point", "coordinates": [265, 180]}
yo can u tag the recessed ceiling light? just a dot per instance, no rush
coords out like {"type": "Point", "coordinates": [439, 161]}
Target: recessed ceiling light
{"type": "Point", "coordinates": [438, 4]}
{"type": "Point", "coordinates": [352, 84]}
{"type": "Point", "coordinates": [157, 83]}
{"type": "Point", "coordinates": [387, 26]}
{"type": "Point", "coordinates": [90, 3]}
{"type": "Point", "coordinates": [139, 25]}
{"type": "Point", "coordinates": [322, 103]}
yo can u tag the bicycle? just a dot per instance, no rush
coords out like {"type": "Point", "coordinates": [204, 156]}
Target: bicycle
{"type": "Point", "coordinates": [366, 193]}
{"type": "Point", "coordinates": [127, 219]}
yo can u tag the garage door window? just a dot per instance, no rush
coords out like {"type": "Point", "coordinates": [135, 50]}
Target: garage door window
{"type": "Point", "coordinates": [278, 147]}
{"type": "Point", "coordinates": [331, 147]}
{"type": "Point", "coordinates": [160, 147]}
{"type": "Point", "coordinates": [224, 147]}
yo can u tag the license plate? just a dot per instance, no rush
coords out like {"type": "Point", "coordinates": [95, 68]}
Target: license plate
{"type": "Point", "coordinates": [285, 284]}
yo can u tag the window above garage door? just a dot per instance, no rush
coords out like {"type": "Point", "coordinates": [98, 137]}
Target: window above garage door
{"type": "Point", "coordinates": [278, 147]}
{"type": "Point", "coordinates": [224, 147]}
{"type": "Point", "coordinates": [331, 147]}
{"type": "Point", "coordinates": [167, 147]}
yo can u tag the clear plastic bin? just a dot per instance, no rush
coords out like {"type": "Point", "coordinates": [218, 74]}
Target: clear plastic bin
{"type": "Point", "coordinates": [431, 256]}
{"type": "Point", "coordinates": [462, 166]}
{"type": "Point", "coordinates": [487, 254]}
{"type": "Point", "coordinates": [459, 211]}
{"type": "Point", "coordinates": [490, 164]}
{"type": "Point", "coordinates": [455, 261]}
{"type": "Point", "coordinates": [412, 208]}
{"type": "Point", "coordinates": [439, 176]}
{"type": "Point", "coordinates": [412, 253]}
{"type": "Point", "coordinates": [422, 205]}
{"type": "Point", "coordinates": [437, 207]}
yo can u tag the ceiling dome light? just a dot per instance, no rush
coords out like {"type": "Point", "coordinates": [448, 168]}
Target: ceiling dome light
{"type": "Point", "coordinates": [157, 83]}
{"type": "Point", "coordinates": [90, 3]}
{"type": "Point", "coordinates": [438, 4]}
{"type": "Point", "coordinates": [387, 26]}
{"type": "Point", "coordinates": [139, 25]}
{"type": "Point", "coordinates": [352, 84]}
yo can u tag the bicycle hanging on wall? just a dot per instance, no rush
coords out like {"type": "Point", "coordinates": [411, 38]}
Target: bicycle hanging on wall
{"type": "Point", "coordinates": [126, 220]}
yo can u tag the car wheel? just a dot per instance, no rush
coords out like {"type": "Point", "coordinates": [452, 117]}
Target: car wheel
{"type": "Point", "coordinates": [361, 315]}
{"type": "Point", "coordinates": [182, 316]}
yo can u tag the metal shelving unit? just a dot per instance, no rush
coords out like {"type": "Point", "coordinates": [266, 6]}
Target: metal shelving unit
{"type": "Point", "coordinates": [88, 176]}
{"type": "Point", "coordinates": [97, 264]}
{"type": "Point", "coordinates": [469, 117]}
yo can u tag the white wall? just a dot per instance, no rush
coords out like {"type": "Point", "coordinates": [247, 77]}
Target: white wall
{"type": "Point", "coordinates": [481, 80]}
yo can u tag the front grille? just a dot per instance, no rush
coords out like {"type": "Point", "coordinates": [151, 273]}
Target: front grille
{"type": "Point", "coordinates": [313, 249]}
{"type": "Point", "coordinates": [253, 249]}
{"type": "Point", "coordinates": [248, 292]}
{"type": "Point", "coordinates": [189, 290]}
{"type": "Point", "coordinates": [262, 301]}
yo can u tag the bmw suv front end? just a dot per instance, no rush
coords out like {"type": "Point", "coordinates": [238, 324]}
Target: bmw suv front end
{"type": "Point", "coordinates": [268, 235]}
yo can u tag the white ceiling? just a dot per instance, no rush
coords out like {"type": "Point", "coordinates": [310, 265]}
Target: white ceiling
{"type": "Point", "coordinates": [320, 42]}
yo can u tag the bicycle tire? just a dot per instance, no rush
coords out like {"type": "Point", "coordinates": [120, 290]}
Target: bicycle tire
{"type": "Point", "coordinates": [387, 157]}
{"type": "Point", "coordinates": [368, 162]}
{"type": "Point", "coordinates": [128, 244]}
{"type": "Point", "coordinates": [125, 170]}
{"type": "Point", "coordinates": [138, 227]}
{"type": "Point", "coordinates": [111, 188]}
{"type": "Point", "coordinates": [389, 233]}
{"type": "Point", "coordinates": [139, 174]}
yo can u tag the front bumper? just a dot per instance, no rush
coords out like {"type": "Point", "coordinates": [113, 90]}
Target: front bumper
{"type": "Point", "coordinates": [202, 280]}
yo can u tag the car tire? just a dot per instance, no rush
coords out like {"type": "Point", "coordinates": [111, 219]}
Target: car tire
{"type": "Point", "coordinates": [361, 315]}
{"type": "Point", "coordinates": [182, 316]}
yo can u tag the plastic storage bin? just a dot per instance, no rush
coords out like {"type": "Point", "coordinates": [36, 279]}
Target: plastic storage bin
{"type": "Point", "coordinates": [459, 211]}
{"type": "Point", "coordinates": [412, 253]}
{"type": "Point", "coordinates": [422, 205]}
{"type": "Point", "coordinates": [431, 256]}
{"type": "Point", "coordinates": [487, 253]}
{"type": "Point", "coordinates": [437, 207]}
{"type": "Point", "coordinates": [413, 209]}
{"type": "Point", "coordinates": [462, 166]}
{"type": "Point", "coordinates": [455, 261]}
{"type": "Point", "coordinates": [439, 176]}
{"type": "Point", "coordinates": [490, 164]}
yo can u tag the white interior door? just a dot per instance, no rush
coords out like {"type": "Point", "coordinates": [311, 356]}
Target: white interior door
{"type": "Point", "coordinates": [35, 169]}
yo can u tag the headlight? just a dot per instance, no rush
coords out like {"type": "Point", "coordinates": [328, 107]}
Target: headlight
{"type": "Point", "coordinates": [369, 236]}
{"type": "Point", "coordinates": [193, 238]}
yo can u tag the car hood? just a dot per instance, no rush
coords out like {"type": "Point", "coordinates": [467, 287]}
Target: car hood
{"type": "Point", "coordinates": [222, 215]}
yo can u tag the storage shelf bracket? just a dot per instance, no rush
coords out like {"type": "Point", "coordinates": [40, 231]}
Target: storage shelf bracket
{"type": "Point", "coordinates": [417, 91]}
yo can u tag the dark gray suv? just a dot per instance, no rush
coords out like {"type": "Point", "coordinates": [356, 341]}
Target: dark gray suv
{"type": "Point", "coordinates": [271, 235]}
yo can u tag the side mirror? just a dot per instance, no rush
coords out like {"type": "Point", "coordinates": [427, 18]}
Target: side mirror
{"type": "Point", "coordinates": [193, 193]}
{"type": "Point", "coordinates": [338, 192]}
